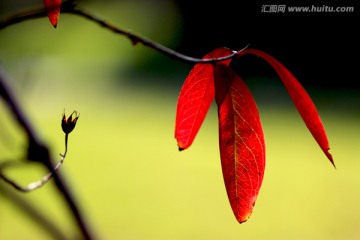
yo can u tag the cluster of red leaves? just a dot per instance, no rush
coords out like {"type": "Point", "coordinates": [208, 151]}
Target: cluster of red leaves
{"type": "Point", "coordinates": [53, 10]}
{"type": "Point", "coordinates": [241, 139]}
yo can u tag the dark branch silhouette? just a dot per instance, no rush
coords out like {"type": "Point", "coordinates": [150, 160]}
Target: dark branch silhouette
{"type": "Point", "coordinates": [37, 151]}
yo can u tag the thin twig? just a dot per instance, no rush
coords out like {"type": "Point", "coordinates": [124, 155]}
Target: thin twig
{"type": "Point", "coordinates": [33, 185]}
{"type": "Point", "coordinates": [36, 184]}
{"type": "Point", "coordinates": [66, 145]}
{"type": "Point", "coordinates": [146, 42]}
{"type": "Point", "coordinates": [70, 8]}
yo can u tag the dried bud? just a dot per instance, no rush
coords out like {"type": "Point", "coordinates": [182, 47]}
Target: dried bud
{"type": "Point", "coordinates": [68, 125]}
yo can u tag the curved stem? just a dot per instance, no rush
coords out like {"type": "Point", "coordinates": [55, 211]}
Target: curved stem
{"type": "Point", "coordinates": [36, 184]}
{"type": "Point", "coordinates": [69, 7]}
{"type": "Point", "coordinates": [146, 42]}
{"type": "Point", "coordinates": [66, 145]}
{"type": "Point", "coordinates": [33, 185]}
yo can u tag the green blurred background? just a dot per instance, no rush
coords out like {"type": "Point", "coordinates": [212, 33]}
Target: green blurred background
{"type": "Point", "coordinates": [123, 165]}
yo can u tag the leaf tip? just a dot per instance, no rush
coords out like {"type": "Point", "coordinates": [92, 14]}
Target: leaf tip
{"type": "Point", "coordinates": [181, 145]}
{"type": "Point", "coordinates": [53, 10]}
{"type": "Point", "coordinates": [329, 156]}
{"type": "Point", "coordinates": [242, 221]}
{"type": "Point", "coordinates": [243, 218]}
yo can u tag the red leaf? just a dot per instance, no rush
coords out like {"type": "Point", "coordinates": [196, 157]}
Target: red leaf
{"type": "Point", "coordinates": [53, 10]}
{"type": "Point", "coordinates": [241, 139]}
{"type": "Point", "coordinates": [300, 98]}
{"type": "Point", "coordinates": [195, 99]}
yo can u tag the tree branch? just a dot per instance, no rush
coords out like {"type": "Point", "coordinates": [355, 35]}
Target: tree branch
{"type": "Point", "coordinates": [70, 8]}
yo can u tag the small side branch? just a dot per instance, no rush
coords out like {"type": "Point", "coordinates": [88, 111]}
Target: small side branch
{"type": "Point", "coordinates": [36, 184]}
{"type": "Point", "coordinates": [31, 186]}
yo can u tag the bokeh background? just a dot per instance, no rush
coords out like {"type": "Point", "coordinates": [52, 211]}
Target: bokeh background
{"type": "Point", "coordinates": [123, 165]}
